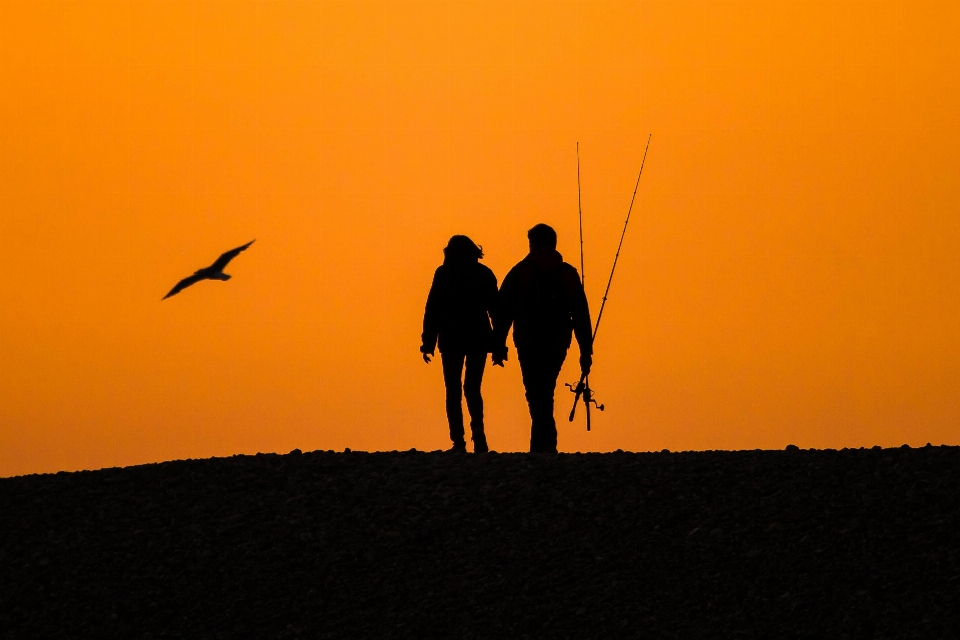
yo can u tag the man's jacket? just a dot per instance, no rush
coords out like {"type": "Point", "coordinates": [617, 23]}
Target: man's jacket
{"type": "Point", "coordinates": [543, 298]}
{"type": "Point", "coordinates": [459, 307]}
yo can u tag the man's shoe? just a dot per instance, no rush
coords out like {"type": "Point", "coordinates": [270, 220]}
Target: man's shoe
{"type": "Point", "coordinates": [480, 446]}
{"type": "Point", "coordinates": [458, 447]}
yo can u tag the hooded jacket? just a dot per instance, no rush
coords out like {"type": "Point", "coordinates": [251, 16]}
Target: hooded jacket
{"type": "Point", "coordinates": [543, 298]}
{"type": "Point", "coordinates": [459, 307]}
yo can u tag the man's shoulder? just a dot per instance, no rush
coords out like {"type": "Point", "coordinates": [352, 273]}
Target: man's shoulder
{"type": "Point", "coordinates": [528, 268]}
{"type": "Point", "coordinates": [520, 267]}
{"type": "Point", "coordinates": [569, 273]}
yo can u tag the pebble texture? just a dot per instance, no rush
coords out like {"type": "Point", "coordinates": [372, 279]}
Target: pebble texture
{"type": "Point", "coordinates": [751, 544]}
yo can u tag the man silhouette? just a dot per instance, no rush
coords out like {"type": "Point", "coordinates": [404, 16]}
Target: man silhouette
{"type": "Point", "coordinates": [457, 314]}
{"type": "Point", "coordinates": [543, 298]}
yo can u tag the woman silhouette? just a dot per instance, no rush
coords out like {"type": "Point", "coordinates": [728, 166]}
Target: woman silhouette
{"type": "Point", "coordinates": [458, 313]}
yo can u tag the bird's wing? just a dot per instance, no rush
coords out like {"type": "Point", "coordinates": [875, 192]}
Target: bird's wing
{"type": "Point", "coordinates": [225, 259]}
{"type": "Point", "coordinates": [183, 284]}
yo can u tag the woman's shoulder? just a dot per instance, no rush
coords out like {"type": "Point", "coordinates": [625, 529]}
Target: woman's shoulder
{"type": "Point", "coordinates": [485, 270]}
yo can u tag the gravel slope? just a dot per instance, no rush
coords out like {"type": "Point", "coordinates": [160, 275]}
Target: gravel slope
{"type": "Point", "coordinates": [751, 544]}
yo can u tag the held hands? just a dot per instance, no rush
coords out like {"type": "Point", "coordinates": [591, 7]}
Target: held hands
{"type": "Point", "coordinates": [499, 356]}
{"type": "Point", "coordinates": [586, 361]}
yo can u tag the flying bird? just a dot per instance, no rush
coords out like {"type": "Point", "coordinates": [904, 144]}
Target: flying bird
{"type": "Point", "coordinates": [213, 272]}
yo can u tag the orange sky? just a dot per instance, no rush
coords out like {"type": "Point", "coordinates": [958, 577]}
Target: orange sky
{"type": "Point", "coordinates": [790, 274]}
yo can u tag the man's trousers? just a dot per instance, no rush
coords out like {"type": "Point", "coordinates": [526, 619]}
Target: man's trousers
{"type": "Point", "coordinates": [540, 367]}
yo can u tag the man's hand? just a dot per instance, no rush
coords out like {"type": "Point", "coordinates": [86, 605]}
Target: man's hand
{"type": "Point", "coordinates": [426, 358]}
{"type": "Point", "coordinates": [426, 352]}
{"type": "Point", "coordinates": [586, 361]}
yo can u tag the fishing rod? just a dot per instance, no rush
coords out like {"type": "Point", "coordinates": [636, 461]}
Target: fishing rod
{"type": "Point", "coordinates": [582, 389]}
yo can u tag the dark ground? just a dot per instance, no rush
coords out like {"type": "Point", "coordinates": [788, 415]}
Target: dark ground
{"type": "Point", "coordinates": [751, 544]}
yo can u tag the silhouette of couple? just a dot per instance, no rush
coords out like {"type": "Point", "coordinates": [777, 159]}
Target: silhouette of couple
{"type": "Point", "coordinates": [542, 298]}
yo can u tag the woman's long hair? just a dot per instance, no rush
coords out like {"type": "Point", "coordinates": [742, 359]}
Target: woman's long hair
{"type": "Point", "coordinates": [461, 249]}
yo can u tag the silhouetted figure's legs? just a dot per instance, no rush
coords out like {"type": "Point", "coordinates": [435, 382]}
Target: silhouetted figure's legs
{"type": "Point", "coordinates": [458, 386]}
{"type": "Point", "coordinates": [452, 373]}
{"type": "Point", "coordinates": [540, 368]}
{"type": "Point", "coordinates": [471, 389]}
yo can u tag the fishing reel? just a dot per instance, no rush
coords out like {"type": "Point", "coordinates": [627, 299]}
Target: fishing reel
{"type": "Point", "coordinates": [582, 389]}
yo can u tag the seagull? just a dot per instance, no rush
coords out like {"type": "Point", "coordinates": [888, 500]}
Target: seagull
{"type": "Point", "coordinates": [213, 272]}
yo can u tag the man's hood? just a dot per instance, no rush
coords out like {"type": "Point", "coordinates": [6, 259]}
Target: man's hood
{"type": "Point", "coordinates": [544, 259]}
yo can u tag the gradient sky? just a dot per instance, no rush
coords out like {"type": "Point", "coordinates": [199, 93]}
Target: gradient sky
{"type": "Point", "coordinates": [790, 274]}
